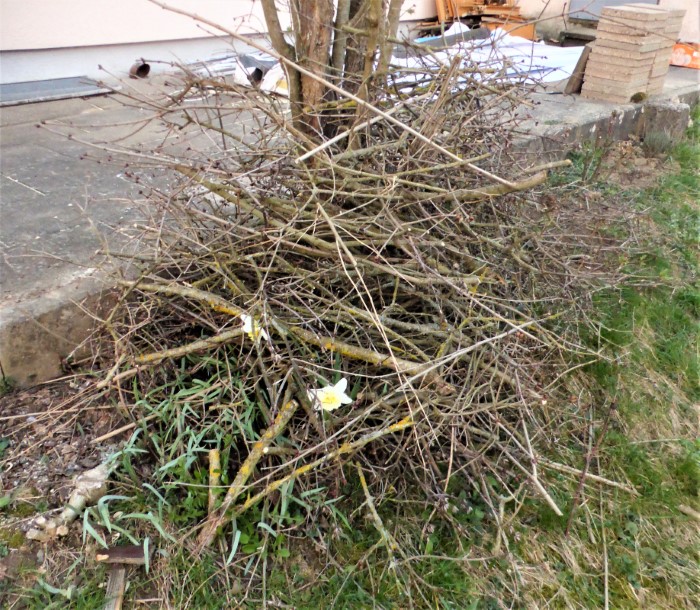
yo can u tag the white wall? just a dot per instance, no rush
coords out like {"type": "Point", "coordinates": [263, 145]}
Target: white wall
{"type": "Point", "coordinates": [418, 10]}
{"type": "Point", "coordinates": [42, 39]}
{"type": "Point", "coordinates": [691, 21]}
{"type": "Point", "coordinates": [108, 63]}
{"type": "Point", "coordinates": [52, 24]}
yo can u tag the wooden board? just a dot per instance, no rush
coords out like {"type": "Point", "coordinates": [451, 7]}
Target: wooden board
{"type": "Point", "coordinates": [514, 28]}
{"type": "Point", "coordinates": [575, 81]}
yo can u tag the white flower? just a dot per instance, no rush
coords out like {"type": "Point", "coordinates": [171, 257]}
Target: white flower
{"type": "Point", "coordinates": [330, 397]}
{"type": "Point", "coordinates": [253, 328]}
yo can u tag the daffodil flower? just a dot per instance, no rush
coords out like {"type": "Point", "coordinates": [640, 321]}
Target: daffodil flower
{"type": "Point", "coordinates": [330, 397]}
{"type": "Point", "coordinates": [253, 328]}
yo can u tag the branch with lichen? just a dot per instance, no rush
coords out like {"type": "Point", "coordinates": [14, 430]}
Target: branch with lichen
{"type": "Point", "coordinates": [346, 448]}
{"type": "Point", "coordinates": [354, 352]}
{"type": "Point", "coordinates": [219, 518]}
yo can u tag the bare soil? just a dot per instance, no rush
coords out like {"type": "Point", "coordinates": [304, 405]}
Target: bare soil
{"type": "Point", "coordinates": [46, 436]}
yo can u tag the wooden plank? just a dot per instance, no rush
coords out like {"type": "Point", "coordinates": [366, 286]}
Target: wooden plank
{"type": "Point", "coordinates": [615, 73]}
{"type": "Point", "coordinates": [602, 97]}
{"type": "Point", "coordinates": [116, 584]}
{"type": "Point", "coordinates": [132, 554]}
{"type": "Point", "coordinates": [618, 77]}
{"type": "Point", "coordinates": [630, 50]}
{"type": "Point", "coordinates": [615, 61]}
{"type": "Point", "coordinates": [609, 64]}
{"type": "Point", "coordinates": [638, 44]}
{"type": "Point", "coordinates": [442, 7]}
{"type": "Point", "coordinates": [598, 82]}
{"type": "Point", "coordinates": [575, 81]}
{"type": "Point", "coordinates": [514, 28]}
{"type": "Point", "coordinates": [644, 29]}
{"type": "Point", "coordinates": [637, 13]}
{"type": "Point", "coordinates": [624, 93]}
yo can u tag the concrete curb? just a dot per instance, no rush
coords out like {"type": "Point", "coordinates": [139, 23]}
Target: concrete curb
{"type": "Point", "coordinates": [593, 127]}
{"type": "Point", "coordinates": [37, 335]}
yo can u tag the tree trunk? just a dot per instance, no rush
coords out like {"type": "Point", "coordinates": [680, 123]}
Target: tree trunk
{"type": "Point", "coordinates": [340, 40]}
{"type": "Point", "coordinates": [356, 46]}
{"type": "Point", "coordinates": [350, 58]}
{"type": "Point", "coordinates": [390, 29]}
{"type": "Point", "coordinates": [312, 21]}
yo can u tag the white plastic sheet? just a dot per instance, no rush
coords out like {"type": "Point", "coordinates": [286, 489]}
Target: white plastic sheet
{"type": "Point", "coordinates": [501, 54]}
{"type": "Point", "coordinates": [516, 58]}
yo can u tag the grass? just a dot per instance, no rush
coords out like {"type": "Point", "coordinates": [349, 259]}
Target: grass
{"type": "Point", "coordinates": [651, 330]}
{"type": "Point", "coordinates": [622, 551]}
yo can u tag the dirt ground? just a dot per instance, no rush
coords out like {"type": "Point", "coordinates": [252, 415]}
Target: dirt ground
{"type": "Point", "coordinates": [46, 439]}
{"type": "Point", "coordinates": [629, 165]}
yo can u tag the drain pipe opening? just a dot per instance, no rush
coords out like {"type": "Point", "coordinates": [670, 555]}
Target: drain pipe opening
{"type": "Point", "coordinates": [139, 70]}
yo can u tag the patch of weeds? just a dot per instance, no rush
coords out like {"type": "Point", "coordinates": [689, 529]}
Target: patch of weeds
{"type": "Point", "coordinates": [687, 469]}
{"type": "Point", "coordinates": [204, 583]}
{"type": "Point", "coordinates": [657, 144]}
{"type": "Point", "coordinates": [437, 578]}
{"type": "Point", "coordinates": [49, 597]}
{"type": "Point", "coordinates": [588, 160]}
{"type": "Point", "coordinates": [74, 588]}
{"type": "Point", "coordinates": [4, 444]}
{"type": "Point", "coordinates": [651, 331]}
{"type": "Point", "coordinates": [7, 385]}
{"type": "Point", "coordinates": [648, 329]}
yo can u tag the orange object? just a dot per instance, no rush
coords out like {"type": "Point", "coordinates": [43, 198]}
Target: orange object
{"type": "Point", "coordinates": [686, 55]}
{"type": "Point", "coordinates": [524, 29]}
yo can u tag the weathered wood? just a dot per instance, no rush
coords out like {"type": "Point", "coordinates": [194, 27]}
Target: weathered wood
{"type": "Point", "coordinates": [576, 79]}
{"type": "Point", "coordinates": [131, 554]}
{"type": "Point", "coordinates": [312, 23]}
{"type": "Point", "coordinates": [116, 584]}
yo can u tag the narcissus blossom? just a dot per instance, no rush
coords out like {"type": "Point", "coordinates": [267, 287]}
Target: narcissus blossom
{"type": "Point", "coordinates": [330, 397]}
{"type": "Point", "coordinates": [253, 328]}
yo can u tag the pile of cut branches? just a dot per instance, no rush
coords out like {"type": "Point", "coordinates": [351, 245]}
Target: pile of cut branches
{"type": "Point", "coordinates": [314, 309]}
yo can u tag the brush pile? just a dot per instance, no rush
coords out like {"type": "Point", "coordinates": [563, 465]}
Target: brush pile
{"type": "Point", "coordinates": [370, 304]}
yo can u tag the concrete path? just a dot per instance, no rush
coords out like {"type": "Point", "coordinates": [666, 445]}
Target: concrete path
{"type": "Point", "coordinates": [57, 210]}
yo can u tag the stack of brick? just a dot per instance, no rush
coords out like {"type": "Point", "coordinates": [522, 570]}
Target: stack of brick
{"type": "Point", "coordinates": [631, 52]}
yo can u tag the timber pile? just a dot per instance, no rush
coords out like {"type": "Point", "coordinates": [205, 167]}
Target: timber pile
{"type": "Point", "coordinates": [490, 14]}
{"type": "Point", "coordinates": [376, 295]}
{"type": "Point", "coordinates": [631, 52]}
{"type": "Point", "coordinates": [452, 10]}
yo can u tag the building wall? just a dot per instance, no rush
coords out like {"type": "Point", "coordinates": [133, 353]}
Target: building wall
{"type": "Point", "coordinates": [101, 39]}
{"type": "Point", "coordinates": [691, 22]}
{"type": "Point", "coordinates": [42, 39]}
{"type": "Point", "coordinates": [53, 24]}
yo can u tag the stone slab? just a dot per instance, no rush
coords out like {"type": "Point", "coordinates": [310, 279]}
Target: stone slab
{"type": "Point", "coordinates": [632, 13]}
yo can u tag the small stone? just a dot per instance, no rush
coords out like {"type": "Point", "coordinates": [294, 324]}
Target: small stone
{"type": "Point", "coordinates": [35, 534]}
